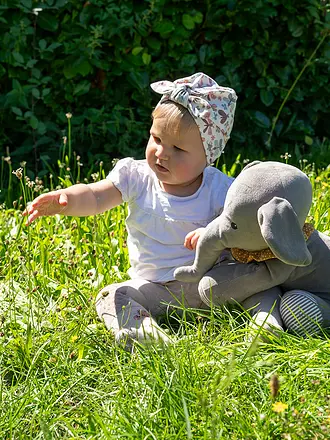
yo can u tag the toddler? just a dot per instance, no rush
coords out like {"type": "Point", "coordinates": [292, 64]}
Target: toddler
{"type": "Point", "coordinates": [171, 195]}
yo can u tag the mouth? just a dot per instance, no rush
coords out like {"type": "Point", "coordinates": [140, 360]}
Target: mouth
{"type": "Point", "coordinates": [160, 168]}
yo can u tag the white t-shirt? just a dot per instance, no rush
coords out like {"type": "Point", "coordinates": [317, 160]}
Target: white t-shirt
{"type": "Point", "coordinates": [158, 222]}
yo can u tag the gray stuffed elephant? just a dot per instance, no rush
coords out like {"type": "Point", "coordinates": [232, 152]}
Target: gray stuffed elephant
{"type": "Point", "coordinates": [263, 224]}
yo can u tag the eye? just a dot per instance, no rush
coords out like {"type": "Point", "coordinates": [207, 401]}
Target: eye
{"type": "Point", "coordinates": [233, 225]}
{"type": "Point", "coordinates": [177, 148]}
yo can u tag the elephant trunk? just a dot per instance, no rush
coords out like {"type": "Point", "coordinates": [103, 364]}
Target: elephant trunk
{"type": "Point", "coordinates": [208, 251]}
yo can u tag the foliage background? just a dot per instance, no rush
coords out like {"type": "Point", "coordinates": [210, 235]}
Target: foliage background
{"type": "Point", "coordinates": [96, 60]}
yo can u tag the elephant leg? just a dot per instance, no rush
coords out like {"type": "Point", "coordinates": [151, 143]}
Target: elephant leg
{"type": "Point", "coordinates": [264, 308]}
{"type": "Point", "coordinates": [233, 282]}
{"type": "Point", "coordinates": [305, 313]}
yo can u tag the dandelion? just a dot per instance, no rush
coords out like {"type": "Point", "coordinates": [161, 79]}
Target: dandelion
{"type": "Point", "coordinates": [64, 140]}
{"type": "Point", "coordinates": [23, 164]}
{"type": "Point", "coordinates": [18, 173]}
{"type": "Point", "coordinates": [68, 115]}
{"type": "Point", "coordinates": [7, 159]}
{"type": "Point", "coordinates": [279, 407]}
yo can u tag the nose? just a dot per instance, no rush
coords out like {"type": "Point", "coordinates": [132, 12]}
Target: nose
{"type": "Point", "coordinates": [161, 152]}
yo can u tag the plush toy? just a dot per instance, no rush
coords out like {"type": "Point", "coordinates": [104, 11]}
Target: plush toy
{"type": "Point", "coordinates": [263, 224]}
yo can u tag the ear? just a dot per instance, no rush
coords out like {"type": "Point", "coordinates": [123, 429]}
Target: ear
{"type": "Point", "coordinates": [280, 229]}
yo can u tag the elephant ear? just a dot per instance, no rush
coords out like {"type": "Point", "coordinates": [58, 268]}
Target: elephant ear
{"type": "Point", "coordinates": [280, 229]}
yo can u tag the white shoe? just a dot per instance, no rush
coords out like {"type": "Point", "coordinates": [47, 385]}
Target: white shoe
{"type": "Point", "coordinates": [147, 333]}
{"type": "Point", "coordinates": [264, 323]}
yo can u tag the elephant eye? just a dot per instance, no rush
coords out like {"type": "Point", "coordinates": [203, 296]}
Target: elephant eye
{"type": "Point", "coordinates": [233, 225]}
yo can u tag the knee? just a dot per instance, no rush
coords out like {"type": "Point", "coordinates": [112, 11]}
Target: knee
{"type": "Point", "coordinates": [109, 297]}
{"type": "Point", "coordinates": [301, 313]}
{"type": "Point", "coordinates": [107, 292]}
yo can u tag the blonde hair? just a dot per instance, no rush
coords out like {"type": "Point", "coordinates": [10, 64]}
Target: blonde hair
{"type": "Point", "coordinates": [177, 117]}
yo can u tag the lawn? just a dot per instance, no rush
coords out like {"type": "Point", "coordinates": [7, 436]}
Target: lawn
{"type": "Point", "coordinates": [62, 377]}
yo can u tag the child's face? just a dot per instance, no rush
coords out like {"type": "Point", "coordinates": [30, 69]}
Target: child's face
{"type": "Point", "coordinates": [178, 159]}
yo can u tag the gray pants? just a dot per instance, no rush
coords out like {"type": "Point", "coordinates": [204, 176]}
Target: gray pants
{"type": "Point", "coordinates": [118, 305]}
{"type": "Point", "coordinates": [147, 297]}
{"type": "Point", "coordinates": [298, 311]}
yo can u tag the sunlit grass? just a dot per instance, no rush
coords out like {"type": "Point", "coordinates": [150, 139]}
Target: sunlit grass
{"type": "Point", "coordinates": [62, 377]}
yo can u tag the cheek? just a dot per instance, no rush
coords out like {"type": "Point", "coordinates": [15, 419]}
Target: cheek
{"type": "Point", "coordinates": [179, 161]}
{"type": "Point", "coordinates": [149, 149]}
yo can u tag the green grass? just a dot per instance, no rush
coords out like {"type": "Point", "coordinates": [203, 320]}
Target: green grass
{"type": "Point", "coordinates": [62, 377]}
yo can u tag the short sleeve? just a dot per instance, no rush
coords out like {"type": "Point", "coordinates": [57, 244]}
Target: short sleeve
{"type": "Point", "coordinates": [125, 177]}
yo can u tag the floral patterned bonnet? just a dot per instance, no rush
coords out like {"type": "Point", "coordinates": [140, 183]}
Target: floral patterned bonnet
{"type": "Point", "coordinates": [211, 106]}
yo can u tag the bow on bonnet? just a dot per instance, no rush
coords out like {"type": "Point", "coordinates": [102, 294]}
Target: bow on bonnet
{"type": "Point", "coordinates": [211, 106]}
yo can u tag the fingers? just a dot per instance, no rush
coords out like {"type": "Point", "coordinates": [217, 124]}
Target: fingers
{"type": "Point", "coordinates": [45, 204]}
{"type": "Point", "coordinates": [35, 214]}
{"type": "Point", "coordinates": [34, 204]}
{"type": "Point", "coordinates": [187, 240]}
{"type": "Point", "coordinates": [194, 240]}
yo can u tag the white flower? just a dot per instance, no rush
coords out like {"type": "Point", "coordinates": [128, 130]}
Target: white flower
{"type": "Point", "coordinates": [36, 11]}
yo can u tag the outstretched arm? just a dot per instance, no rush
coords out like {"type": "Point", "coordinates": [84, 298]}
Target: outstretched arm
{"type": "Point", "coordinates": [78, 200]}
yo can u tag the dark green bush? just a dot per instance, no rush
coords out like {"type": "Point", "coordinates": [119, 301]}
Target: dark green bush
{"type": "Point", "coordinates": [96, 60]}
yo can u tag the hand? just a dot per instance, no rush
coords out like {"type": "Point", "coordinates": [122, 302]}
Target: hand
{"type": "Point", "coordinates": [192, 238]}
{"type": "Point", "coordinates": [51, 203]}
